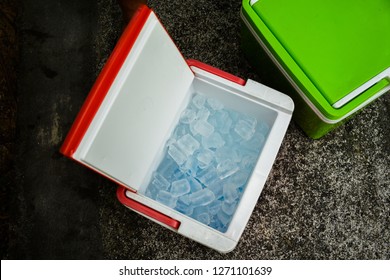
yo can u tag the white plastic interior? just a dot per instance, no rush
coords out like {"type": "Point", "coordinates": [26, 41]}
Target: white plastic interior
{"type": "Point", "coordinates": [139, 109]}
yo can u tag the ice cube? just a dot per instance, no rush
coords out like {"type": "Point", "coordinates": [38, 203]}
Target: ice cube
{"type": "Point", "coordinates": [221, 121]}
{"type": "Point", "coordinates": [254, 144]}
{"type": "Point", "coordinates": [235, 154]}
{"type": "Point", "coordinates": [152, 191]}
{"type": "Point", "coordinates": [226, 168]}
{"type": "Point", "coordinates": [185, 199]}
{"type": "Point", "coordinates": [198, 100]}
{"type": "Point", "coordinates": [199, 210]}
{"type": "Point", "coordinates": [159, 181]}
{"type": "Point", "coordinates": [187, 116]}
{"type": "Point", "coordinates": [180, 187]}
{"type": "Point", "coordinates": [214, 104]}
{"type": "Point", "coordinates": [178, 156]}
{"type": "Point", "coordinates": [203, 114]}
{"type": "Point", "coordinates": [239, 178]}
{"type": "Point", "coordinates": [171, 141]}
{"type": "Point", "coordinates": [234, 115]}
{"type": "Point", "coordinates": [216, 224]}
{"type": "Point", "coordinates": [188, 144]}
{"type": "Point", "coordinates": [217, 188]}
{"type": "Point", "coordinates": [167, 167]}
{"type": "Point", "coordinates": [223, 153]}
{"type": "Point", "coordinates": [214, 207]}
{"type": "Point", "coordinates": [193, 131]}
{"type": "Point", "coordinates": [233, 138]}
{"type": "Point", "coordinates": [223, 228]}
{"type": "Point", "coordinates": [191, 166]}
{"type": "Point", "coordinates": [230, 193]}
{"type": "Point", "coordinates": [244, 129]}
{"type": "Point", "coordinates": [207, 175]}
{"type": "Point", "coordinates": [204, 218]}
{"type": "Point", "coordinates": [251, 120]}
{"type": "Point", "coordinates": [215, 141]}
{"type": "Point", "coordinates": [194, 184]}
{"type": "Point", "coordinates": [225, 126]}
{"type": "Point", "coordinates": [203, 128]}
{"type": "Point", "coordinates": [224, 218]}
{"type": "Point", "coordinates": [248, 162]}
{"type": "Point", "coordinates": [201, 198]}
{"type": "Point", "coordinates": [201, 214]}
{"type": "Point", "coordinates": [263, 128]}
{"type": "Point", "coordinates": [178, 175]}
{"type": "Point", "coordinates": [166, 198]}
{"type": "Point", "coordinates": [180, 130]}
{"type": "Point", "coordinates": [229, 208]}
{"type": "Point", "coordinates": [204, 157]}
{"type": "Point", "coordinates": [183, 207]}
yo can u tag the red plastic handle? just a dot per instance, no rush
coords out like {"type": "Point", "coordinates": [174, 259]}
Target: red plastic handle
{"type": "Point", "coordinates": [139, 207]}
{"type": "Point", "coordinates": [216, 71]}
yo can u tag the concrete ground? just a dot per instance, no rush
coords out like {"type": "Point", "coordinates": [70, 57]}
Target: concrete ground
{"type": "Point", "coordinates": [324, 199]}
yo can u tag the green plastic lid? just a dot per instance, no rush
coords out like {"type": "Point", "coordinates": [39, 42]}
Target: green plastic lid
{"type": "Point", "coordinates": [339, 45]}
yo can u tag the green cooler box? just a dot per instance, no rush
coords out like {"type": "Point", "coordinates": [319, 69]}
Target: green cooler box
{"type": "Point", "coordinates": [334, 55]}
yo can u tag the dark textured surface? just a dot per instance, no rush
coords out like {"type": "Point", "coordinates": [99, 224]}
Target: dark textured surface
{"type": "Point", "coordinates": [8, 63]}
{"type": "Point", "coordinates": [54, 204]}
{"type": "Point", "coordinates": [324, 199]}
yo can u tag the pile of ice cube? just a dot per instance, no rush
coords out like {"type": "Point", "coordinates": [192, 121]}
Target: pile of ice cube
{"type": "Point", "coordinates": [209, 158]}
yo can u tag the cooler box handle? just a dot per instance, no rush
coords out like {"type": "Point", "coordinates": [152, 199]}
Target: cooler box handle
{"type": "Point", "coordinates": [385, 75]}
{"type": "Point", "coordinates": [216, 71]}
{"type": "Point", "coordinates": [145, 210]}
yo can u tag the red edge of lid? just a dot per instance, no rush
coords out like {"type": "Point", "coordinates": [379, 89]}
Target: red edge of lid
{"type": "Point", "coordinates": [139, 207]}
{"type": "Point", "coordinates": [104, 81]}
{"type": "Point", "coordinates": [216, 71]}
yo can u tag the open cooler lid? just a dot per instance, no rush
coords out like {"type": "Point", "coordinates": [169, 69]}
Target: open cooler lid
{"type": "Point", "coordinates": [342, 46]}
{"type": "Point", "coordinates": [132, 104]}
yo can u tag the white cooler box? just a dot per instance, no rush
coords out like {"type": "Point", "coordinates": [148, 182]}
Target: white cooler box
{"type": "Point", "coordinates": [135, 104]}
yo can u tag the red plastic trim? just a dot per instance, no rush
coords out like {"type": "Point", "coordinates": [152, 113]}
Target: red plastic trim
{"type": "Point", "coordinates": [104, 82]}
{"type": "Point", "coordinates": [139, 207]}
{"type": "Point", "coordinates": [216, 71]}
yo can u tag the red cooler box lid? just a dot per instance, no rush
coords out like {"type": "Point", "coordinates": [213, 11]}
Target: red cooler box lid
{"type": "Point", "coordinates": [127, 106]}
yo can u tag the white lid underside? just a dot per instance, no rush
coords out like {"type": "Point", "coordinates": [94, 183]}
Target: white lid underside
{"type": "Point", "coordinates": [139, 109]}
